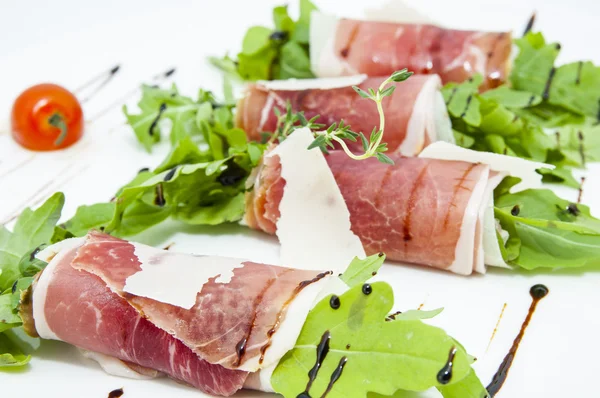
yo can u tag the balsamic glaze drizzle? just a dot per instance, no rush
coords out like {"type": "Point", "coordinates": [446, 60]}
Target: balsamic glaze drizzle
{"type": "Point", "coordinates": [143, 169]}
{"type": "Point", "coordinates": [581, 147]}
{"type": "Point", "coordinates": [107, 78]}
{"type": "Point", "coordinates": [530, 24]}
{"type": "Point", "coordinates": [579, 196]}
{"type": "Point", "coordinates": [335, 376]}
{"type": "Point", "coordinates": [546, 93]}
{"type": "Point", "coordinates": [469, 98]}
{"type": "Point", "coordinates": [170, 174]}
{"type": "Point", "coordinates": [537, 292]}
{"type": "Point", "coordinates": [573, 210]}
{"type": "Point", "coordinates": [162, 108]}
{"type": "Point", "coordinates": [322, 351]}
{"type": "Point", "coordinates": [34, 253]}
{"type": "Point", "coordinates": [116, 393]}
{"type": "Point", "coordinates": [444, 376]}
{"type": "Point", "coordinates": [392, 317]}
{"type": "Point", "coordinates": [159, 199]}
{"type": "Point", "coordinates": [579, 68]}
{"type": "Point", "coordinates": [451, 95]}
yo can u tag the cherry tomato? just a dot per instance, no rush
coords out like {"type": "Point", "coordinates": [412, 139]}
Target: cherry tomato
{"type": "Point", "coordinates": [46, 117]}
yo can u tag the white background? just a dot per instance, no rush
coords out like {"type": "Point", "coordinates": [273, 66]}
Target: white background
{"type": "Point", "coordinates": [67, 42]}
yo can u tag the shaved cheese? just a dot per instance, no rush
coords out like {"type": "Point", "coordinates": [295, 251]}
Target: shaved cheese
{"type": "Point", "coordinates": [512, 166]}
{"type": "Point", "coordinates": [464, 261]}
{"type": "Point", "coordinates": [289, 329]}
{"type": "Point", "coordinates": [314, 227]}
{"type": "Point", "coordinates": [313, 84]}
{"type": "Point", "coordinates": [175, 278]}
{"type": "Point", "coordinates": [398, 11]}
{"type": "Point", "coordinates": [491, 248]}
{"type": "Point", "coordinates": [47, 254]}
{"type": "Point", "coordinates": [114, 366]}
{"type": "Point", "coordinates": [429, 120]}
{"type": "Point", "coordinates": [323, 60]}
{"type": "Point", "coordinates": [53, 255]}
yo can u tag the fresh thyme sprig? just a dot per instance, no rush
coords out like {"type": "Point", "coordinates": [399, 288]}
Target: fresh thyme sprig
{"type": "Point", "coordinates": [289, 121]}
{"type": "Point", "coordinates": [374, 145]}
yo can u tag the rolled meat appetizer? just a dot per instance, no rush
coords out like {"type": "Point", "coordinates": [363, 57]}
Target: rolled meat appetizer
{"type": "Point", "coordinates": [341, 47]}
{"type": "Point", "coordinates": [218, 320]}
{"type": "Point", "coordinates": [222, 324]}
{"type": "Point", "coordinates": [416, 113]}
{"type": "Point", "coordinates": [397, 209]}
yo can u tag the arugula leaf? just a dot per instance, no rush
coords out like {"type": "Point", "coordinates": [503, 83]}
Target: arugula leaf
{"type": "Point", "coordinates": [361, 270]}
{"type": "Point", "coordinates": [484, 122]}
{"type": "Point", "coordinates": [86, 218]}
{"type": "Point", "coordinates": [574, 86]}
{"type": "Point", "coordinates": [580, 144]}
{"type": "Point", "coordinates": [11, 354]}
{"type": "Point", "coordinates": [188, 117]}
{"type": "Point", "coordinates": [546, 231]}
{"type": "Point", "coordinates": [281, 52]}
{"type": "Point", "coordinates": [31, 230]}
{"type": "Point", "coordinates": [402, 354]}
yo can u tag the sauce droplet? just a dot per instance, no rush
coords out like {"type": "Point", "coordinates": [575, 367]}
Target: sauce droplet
{"type": "Point", "coordinates": [537, 293]}
{"type": "Point", "coordinates": [367, 289]}
{"type": "Point", "coordinates": [445, 374]}
{"type": "Point", "coordinates": [334, 302]}
{"type": "Point", "coordinates": [116, 393]}
{"type": "Point", "coordinates": [515, 210]}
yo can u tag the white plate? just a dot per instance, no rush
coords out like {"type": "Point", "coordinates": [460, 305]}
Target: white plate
{"type": "Point", "coordinates": [67, 41]}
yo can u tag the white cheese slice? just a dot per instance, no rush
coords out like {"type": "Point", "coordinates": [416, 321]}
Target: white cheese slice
{"type": "Point", "coordinates": [175, 278]}
{"type": "Point", "coordinates": [51, 251]}
{"type": "Point", "coordinates": [324, 61]}
{"type": "Point", "coordinates": [114, 366]}
{"type": "Point", "coordinates": [314, 227]}
{"type": "Point", "coordinates": [464, 261]}
{"type": "Point", "coordinates": [512, 166]}
{"type": "Point", "coordinates": [325, 83]}
{"type": "Point", "coordinates": [491, 248]}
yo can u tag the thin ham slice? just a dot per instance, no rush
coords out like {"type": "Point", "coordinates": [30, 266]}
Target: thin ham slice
{"type": "Point", "coordinates": [422, 211]}
{"type": "Point", "coordinates": [415, 114]}
{"type": "Point", "coordinates": [237, 323]}
{"type": "Point", "coordinates": [346, 47]}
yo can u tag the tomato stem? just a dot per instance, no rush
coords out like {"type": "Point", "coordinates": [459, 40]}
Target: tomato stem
{"type": "Point", "coordinates": [57, 120]}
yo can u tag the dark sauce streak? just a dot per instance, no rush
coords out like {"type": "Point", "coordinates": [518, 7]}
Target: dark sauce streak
{"type": "Point", "coordinates": [464, 113]}
{"type": "Point", "coordinates": [444, 376]}
{"type": "Point", "coordinates": [116, 393]}
{"type": "Point", "coordinates": [170, 174]}
{"type": "Point", "coordinates": [579, 68]}
{"type": "Point", "coordinates": [598, 114]}
{"type": "Point", "coordinates": [557, 135]}
{"type": "Point", "coordinates": [232, 175]}
{"type": "Point", "coordinates": [580, 195]}
{"type": "Point", "coordinates": [107, 78]}
{"type": "Point", "coordinates": [451, 97]}
{"type": "Point", "coordinates": [34, 253]}
{"type": "Point", "coordinates": [573, 210]}
{"type": "Point", "coordinates": [159, 199]}
{"type": "Point", "coordinates": [581, 146]}
{"type": "Point", "coordinates": [537, 292]}
{"type": "Point", "coordinates": [546, 93]}
{"type": "Point", "coordinates": [283, 310]}
{"type": "Point", "coordinates": [335, 376]}
{"type": "Point", "coordinates": [143, 170]}
{"type": "Point", "coordinates": [240, 347]}
{"type": "Point", "coordinates": [279, 35]}
{"type": "Point", "coordinates": [14, 288]}
{"type": "Point", "coordinates": [515, 210]}
{"type": "Point", "coordinates": [392, 317]}
{"type": "Point", "coordinates": [162, 108]}
{"type": "Point", "coordinates": [169, 72]}
{"type": "Point", "coordinates": [531, 99]}
{"type": "Point", "coordinates": [530, 24]}
{"type": "Point", "coordinates": [322, 351]}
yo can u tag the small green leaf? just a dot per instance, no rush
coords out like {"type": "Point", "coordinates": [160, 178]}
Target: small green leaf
{"type": "Point", "coordinates": [361, 92]}
{"type": "Point", "coordinates": [361, 270]}
{"type": "Point", "coordinates": [384, 158]}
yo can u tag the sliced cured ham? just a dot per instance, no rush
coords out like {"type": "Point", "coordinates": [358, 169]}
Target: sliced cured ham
{"type": "Point", "coordinates": [415, 114]}
{"type": "Point", "coordinates": [345, 47]}
{"type": "Point", "coordinates": [90, 295]}
{"type": "Point", "coordinates": [420, 210]}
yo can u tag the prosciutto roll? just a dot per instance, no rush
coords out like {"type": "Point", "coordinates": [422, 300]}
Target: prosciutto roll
{"type": "Point", "coordinates": [416, 114]}
{"type": "Point", "coordinates": [205, 321]}
{"type": "Point", "coordinates": [346, 47]}
{"type": "Point", "coordinates": [420, 210]}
